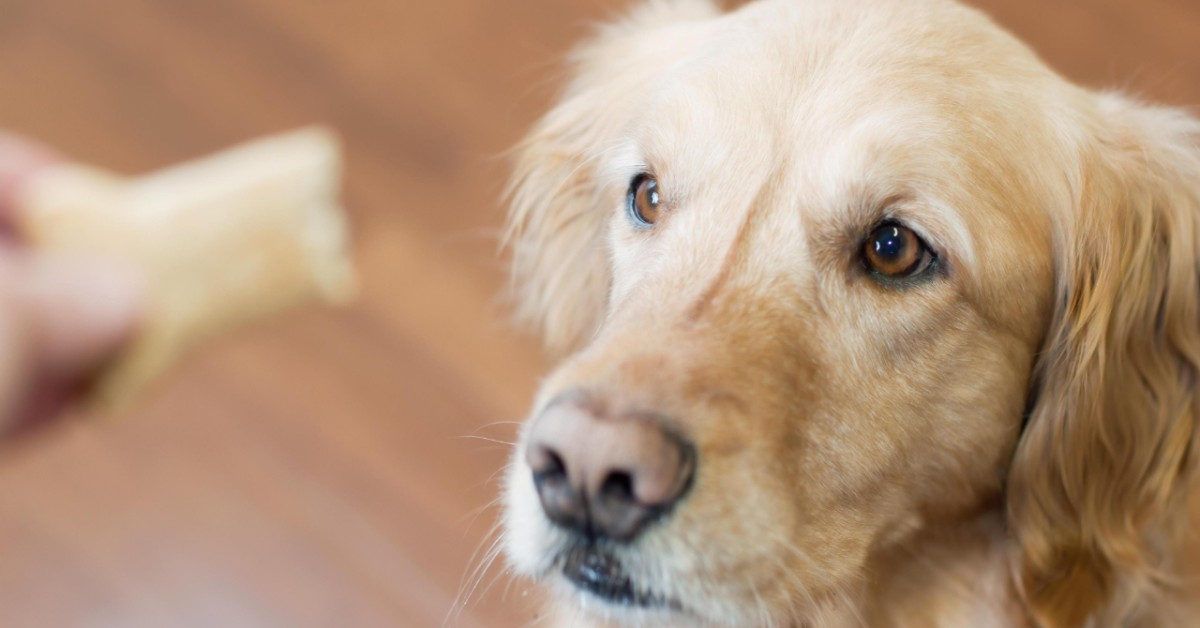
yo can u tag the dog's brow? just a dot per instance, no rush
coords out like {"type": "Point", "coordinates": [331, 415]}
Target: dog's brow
{"type": "Point", "coordinates": [732, 256]}
{"type": "Point", "coordinates": [620, 162]}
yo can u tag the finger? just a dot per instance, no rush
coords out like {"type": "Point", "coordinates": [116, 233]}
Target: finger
{"type": "Point", "coordinates": [78, 310]}
{"type": "Point", "coordinates": [20, 159]}
{"type": "Point", "coordinates": [60, 317]}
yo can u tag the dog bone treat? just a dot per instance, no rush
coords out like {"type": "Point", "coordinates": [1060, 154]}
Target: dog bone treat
{"type": "Point", "coordinates": [220, 242]}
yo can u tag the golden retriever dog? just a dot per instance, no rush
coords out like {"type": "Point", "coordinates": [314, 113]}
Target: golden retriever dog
{"type": "Point", "coordinates": [863, 317]}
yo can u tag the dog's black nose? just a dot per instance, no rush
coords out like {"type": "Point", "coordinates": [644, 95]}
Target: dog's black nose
{"type": "Point", "coordinates": [606, 477]}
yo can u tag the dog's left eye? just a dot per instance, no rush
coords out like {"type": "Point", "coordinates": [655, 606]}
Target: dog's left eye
{"type": "Point", "coordinates": [894, 251]}
{"type": "Point", "coordinates": [643, 201]}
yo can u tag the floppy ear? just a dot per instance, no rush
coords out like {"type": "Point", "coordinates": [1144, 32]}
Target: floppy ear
{"type": "Point", "coordinates": [559, 209]}
{"type": "Point", "coordinates": [1097, 490]}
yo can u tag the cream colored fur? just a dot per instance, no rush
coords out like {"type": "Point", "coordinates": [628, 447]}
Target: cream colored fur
{"type": "Point", "coordinates": [1008, 443]}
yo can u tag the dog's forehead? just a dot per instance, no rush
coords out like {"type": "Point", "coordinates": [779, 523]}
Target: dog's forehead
{"type": "Point", "coordinates": [817, 127]}
{"type": "Point", "coordinates": [826, 100]}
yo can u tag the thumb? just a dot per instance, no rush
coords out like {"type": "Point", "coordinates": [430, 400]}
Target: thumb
{"type": "Point", "coordinates": [59, 318]}
{"type": "Point", "coordinates": [77, 310]}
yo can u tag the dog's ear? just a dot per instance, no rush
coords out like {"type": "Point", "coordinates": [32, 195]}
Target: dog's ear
{"type": "Point", "coordinates": [1097, 488]}
{"type": "Point", "coordinates": [560, 208]}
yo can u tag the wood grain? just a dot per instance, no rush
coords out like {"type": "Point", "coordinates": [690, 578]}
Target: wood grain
{"type": "Point", "coordinates": [334, 469]}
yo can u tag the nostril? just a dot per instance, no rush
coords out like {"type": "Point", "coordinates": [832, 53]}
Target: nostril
{"type": "Point", "coordinates": [549, 466]}
{"type": "Point", "coordinates": [561, 502]}
{"type": "Point", "coordinates": [618, 486]}
{"type": "Point", "coordinates": [617, 513]}
{"type": "Point", "coordinates": [554, 463]}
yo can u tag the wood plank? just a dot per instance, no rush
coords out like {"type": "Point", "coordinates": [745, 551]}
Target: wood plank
{"type": "Point", "coordinates": [325, 470]}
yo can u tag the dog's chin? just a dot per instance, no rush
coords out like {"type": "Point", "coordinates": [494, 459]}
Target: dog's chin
{"type": "Point", "coordinates": [606, 581]}
{"type": "Point", "coordinates": [598, 574]}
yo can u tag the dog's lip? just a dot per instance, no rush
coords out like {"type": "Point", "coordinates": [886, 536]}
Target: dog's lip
{"type": "Point", "coordinates": [596, 571]}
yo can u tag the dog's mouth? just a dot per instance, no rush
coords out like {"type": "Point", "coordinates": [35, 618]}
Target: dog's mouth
{"type": "Point", "coordinates": [596, 571]}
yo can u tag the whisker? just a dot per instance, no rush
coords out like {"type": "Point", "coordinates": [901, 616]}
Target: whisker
{"type": "Point", "coordinates": [474, 575]}
{"type": "Point", "coordinates": [497, 424]}
{"type": "Point", "coordinates": [487, 439]}
{"type": "Point", "coordinates": [474, 514]}
{"type": "Point", "coordinates": [492, 476]}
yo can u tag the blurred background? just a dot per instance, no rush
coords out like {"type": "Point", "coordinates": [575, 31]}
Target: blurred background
{"type": "Point", "coordinates": [335, 468]}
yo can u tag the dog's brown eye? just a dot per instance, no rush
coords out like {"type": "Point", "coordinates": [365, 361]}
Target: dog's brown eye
{"type": "Point", "coordinates": [644, 201]}
{"type": "Point", "coordinates": [895, 252]}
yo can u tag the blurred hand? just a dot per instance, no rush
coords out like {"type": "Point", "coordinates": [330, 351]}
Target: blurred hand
{"type": "Point", "coordinates": [60, 316]}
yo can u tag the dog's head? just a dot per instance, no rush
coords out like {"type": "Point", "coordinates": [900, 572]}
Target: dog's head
{"type": "Point", "coordinates": [825, 275]}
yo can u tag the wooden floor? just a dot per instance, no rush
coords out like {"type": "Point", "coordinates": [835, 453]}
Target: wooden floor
{"type": "Point", "coordinates": [334, 469]}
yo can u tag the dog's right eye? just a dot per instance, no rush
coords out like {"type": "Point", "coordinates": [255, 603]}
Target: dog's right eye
{"type": "Point", "coordinates": [643, 201]}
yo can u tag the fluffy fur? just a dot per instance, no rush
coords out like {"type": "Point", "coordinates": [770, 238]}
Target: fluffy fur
{"type": "Point", "coordinates": [1008, 442]}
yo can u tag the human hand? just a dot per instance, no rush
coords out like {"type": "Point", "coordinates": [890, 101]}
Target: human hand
{"type": "Point", "coordinates": [60, 315]}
